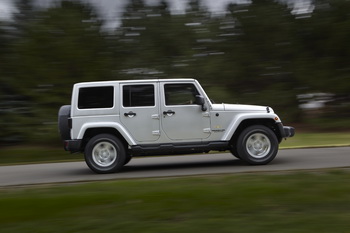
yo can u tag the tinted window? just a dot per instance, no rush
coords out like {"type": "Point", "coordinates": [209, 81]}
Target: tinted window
{"type": "Point", "coordinates": [95, 97]}
{"type": "Point", "coordinates": [180, 94]}
{"type": "Point", "coordinates": [138, 95]}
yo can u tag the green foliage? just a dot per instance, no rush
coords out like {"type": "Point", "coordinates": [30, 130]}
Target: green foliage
{"type": "Point", "coordinates": [60, 47]}
{"type": "Point", "coordinates": [257, 53]}
{"type": "Point", "coordinates": [55, 49]}
{"type": "Point", "coordinates": [323, 64]}
{"type": "Point", "coordinates": [264, 61]}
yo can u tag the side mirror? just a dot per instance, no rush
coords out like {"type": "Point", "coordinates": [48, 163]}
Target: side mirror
{"type": "Point", "coordinates": [200, 101]}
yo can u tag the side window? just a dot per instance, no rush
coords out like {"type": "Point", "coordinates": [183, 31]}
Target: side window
{"type": "Point", "coordinates": [96, 97]}
{"type": "Point", "coordinates": [180, 94]}
{"type": "Point", "coordinates": [138, 95]}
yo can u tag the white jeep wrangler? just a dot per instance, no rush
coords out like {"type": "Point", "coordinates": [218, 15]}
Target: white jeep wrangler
{"type": "Point", "coordinates": [113, 121]}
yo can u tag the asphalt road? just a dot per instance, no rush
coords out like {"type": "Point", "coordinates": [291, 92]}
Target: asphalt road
{"type": "Point", "coordinates": [295, 159]}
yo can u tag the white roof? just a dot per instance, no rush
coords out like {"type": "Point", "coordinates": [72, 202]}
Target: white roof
{"type": "Point", "coordinates": [105, 83]}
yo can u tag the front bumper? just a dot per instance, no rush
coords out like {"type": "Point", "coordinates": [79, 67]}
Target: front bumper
{"type": "Point", "coordinates": [72, 145]}
{"type": "Point", "coordinates": [286, 131]}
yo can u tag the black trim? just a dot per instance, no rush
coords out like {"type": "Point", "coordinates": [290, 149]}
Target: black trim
{"type": "Point", "coordinates": [178, 148]}
{"type": "Point", "coordinates": [70, 124]}
{"type": "Point", "coordinates": [286, 131]}
{"type": "Point", "coordinates": [130, 114]}
{"type": "Point", "coordinates": [73, 145]}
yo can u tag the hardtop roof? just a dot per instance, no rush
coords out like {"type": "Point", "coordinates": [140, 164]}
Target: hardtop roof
{"type": "Point", "coordinates": [114, 82]}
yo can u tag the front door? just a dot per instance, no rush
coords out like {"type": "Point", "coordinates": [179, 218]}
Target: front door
{"type": "Point", "coordinates": [139, 111]}
{"type": "Point", "coordinates": [182, 118]}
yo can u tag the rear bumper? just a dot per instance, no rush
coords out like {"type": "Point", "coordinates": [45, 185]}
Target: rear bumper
{"type": "Point", "coordinates": [72, 145]}
{"type": "Point", "coordinates": [286, 131]}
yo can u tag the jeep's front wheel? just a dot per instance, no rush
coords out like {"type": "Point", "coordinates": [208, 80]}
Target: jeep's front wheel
{"type": "Point", "coordinates": [257, 145]}
{"type": "Point", "coordinates": [105, 153]}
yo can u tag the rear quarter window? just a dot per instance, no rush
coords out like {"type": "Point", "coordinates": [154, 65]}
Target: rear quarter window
{"type": "Point", "coordinates": [96, 97]}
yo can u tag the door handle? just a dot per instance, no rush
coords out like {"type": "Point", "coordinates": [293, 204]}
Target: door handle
{"type": "Point", "coordinates": [168, 113]}
{"type": "Point", "coordinates": [130, 114]}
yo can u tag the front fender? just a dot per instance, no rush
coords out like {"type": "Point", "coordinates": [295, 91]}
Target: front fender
{"type": "Point", "coordinates": [236, 121]}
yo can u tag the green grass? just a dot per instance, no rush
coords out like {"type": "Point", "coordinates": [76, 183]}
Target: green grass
{"type": "Point", "coordinates": [35, 154]}
{"type": "Point", "coordinates": [317, 140]}
{"type": "Point", "coordinates": [294, 202]}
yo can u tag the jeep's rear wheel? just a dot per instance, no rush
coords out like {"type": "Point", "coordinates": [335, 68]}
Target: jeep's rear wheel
{"type": "Point", "coordinates": [105, 153]}
{"type": "Point", "coordinates": [257, 145]}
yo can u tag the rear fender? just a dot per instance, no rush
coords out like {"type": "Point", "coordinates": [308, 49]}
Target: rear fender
{"type": "Point", "coordinates": [125, 134]}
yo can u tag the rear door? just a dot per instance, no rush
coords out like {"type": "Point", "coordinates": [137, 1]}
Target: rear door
{"type": "Point", "coordinates": [139, 110]}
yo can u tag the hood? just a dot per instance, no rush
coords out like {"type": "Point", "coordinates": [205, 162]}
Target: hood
{"type": "Point", "coordinates": [241, 108]}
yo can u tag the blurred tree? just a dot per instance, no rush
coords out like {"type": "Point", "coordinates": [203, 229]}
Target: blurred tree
{"type": "Point", "coordinates": [263, 56]}
{"type": "Point", "coordinates": [325, 66]}
{"type": "Point", "coordinates": [59, 47]}
{"type": "Point", "coordinates": [5, 113]}
{"type": "Point", "coordinates": [156, 42]}
{"type": "Point", "coordinates": [4, 53]}
{"type": "Point", "coordinates": [213, 34]}
{"type": "Point", "coordinates": [256, 53]}
{"type": "Point", "coordinates": [62, 46]}
{"type": "Point", "coordinates": [13, 106]}
{"type": "Point", "coordinates": [325, 53]}
{"type": "Point", "coordinates": [170, 40]}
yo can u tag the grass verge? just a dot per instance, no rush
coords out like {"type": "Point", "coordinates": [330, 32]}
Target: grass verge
{"type": "Point", "coordinates": [37, 154]}
{"type": "Point", "coordinates": [301, 140]}
{"type": "Point", "coordinates": [295, 202]}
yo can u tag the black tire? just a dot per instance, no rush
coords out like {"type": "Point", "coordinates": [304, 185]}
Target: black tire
{"type": "Point", "coordinates": [234, 152]}
{"type": "Point", "coordinates": [127, 159]}
{"type": "Point", "coordinates": [105, 153]}
{"type": "Point", "coordinates": [257, 145]}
